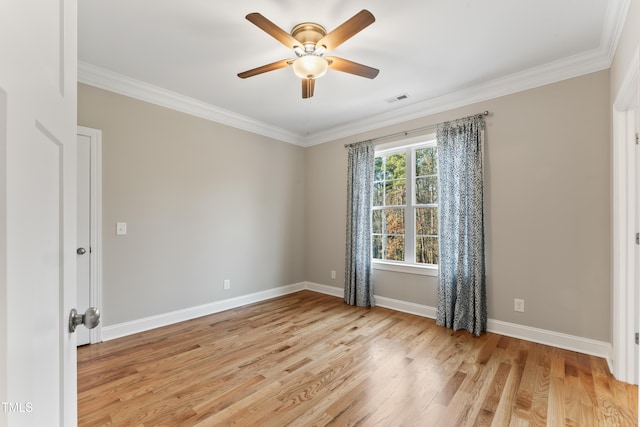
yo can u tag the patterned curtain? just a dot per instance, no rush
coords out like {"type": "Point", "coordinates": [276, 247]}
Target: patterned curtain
{"type": "Point", "coordinates": [462, 288]}
{"type": "Point", "coordinates": [358, 289]}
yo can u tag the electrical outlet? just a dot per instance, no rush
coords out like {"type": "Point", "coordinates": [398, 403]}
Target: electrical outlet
{"type": "Point", "coordinates": [518, 305]}
{"type": "Point", "coordinates": [226, 284]}
{"type": "Point", "coordinates": [333, 274]}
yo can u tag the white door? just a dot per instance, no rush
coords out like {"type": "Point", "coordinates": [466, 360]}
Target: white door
{"type": "Point", "coordinates": [83, 251]}
{"type": "Point", "coordinates": [89, 236]}
{"type": "Point", "coordinates": [625, 226]}
{"type": "Point", "coordinates": [636, 303]}
{"type": "Point", "coordinates": [38, 101]}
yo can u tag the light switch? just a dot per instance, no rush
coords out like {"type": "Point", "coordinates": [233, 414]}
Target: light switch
{"type": "Point", "coordinates": [121, 228]}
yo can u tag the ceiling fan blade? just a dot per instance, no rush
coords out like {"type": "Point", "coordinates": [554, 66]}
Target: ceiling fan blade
{"type": "Point", "coordinates": [307, 87]}
{"type": "Point", "coordinates": [348, 29]}
{"type": "Point", "coordinates": [269, 67]}
{"type": "Point", "coordinates": [273, 30]}
{"type": "Point", "coordinates": [351, 67]}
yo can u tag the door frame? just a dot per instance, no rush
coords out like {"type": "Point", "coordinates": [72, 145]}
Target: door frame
{"type": "Point", "coordinates": [625, 194]}
{"type": "Point", "coordinates": [95, 285]}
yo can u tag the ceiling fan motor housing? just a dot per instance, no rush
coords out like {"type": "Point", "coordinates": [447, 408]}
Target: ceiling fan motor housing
{"type": "Point", "coordinates": [309, 34]}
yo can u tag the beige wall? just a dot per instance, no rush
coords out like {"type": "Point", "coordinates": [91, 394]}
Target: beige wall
{"type": "Point", "coordinates": [547, 209]}
{"type": "Point", "coordinates": [203, 202]}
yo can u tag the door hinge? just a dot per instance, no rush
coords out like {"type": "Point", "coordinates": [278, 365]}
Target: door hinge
{"type": "Point", "coordinates": [637, 138]}
{"type": "Point", "coordinates": [637, 337]}
{"type": "Point", "coordinates": [637, 238]}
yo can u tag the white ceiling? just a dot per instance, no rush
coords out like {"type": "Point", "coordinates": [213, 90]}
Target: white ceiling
{"type": "Point", "coordinates": [441, 53]}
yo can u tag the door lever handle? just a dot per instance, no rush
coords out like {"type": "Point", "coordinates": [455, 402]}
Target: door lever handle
{"type": "Point", "coordinates": [89, 319]}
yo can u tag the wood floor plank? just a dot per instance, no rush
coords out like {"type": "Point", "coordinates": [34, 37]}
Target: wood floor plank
{"type": "Point", "coordinates": [555, 399]}
{"type": "Point", "coordinates": [524, 396]}
{"type": "Point", "coordinates": [540, 401]}
{"type": "Point", "coordinates": [574, 394]}
{"type": "Point", "coordinates": [506, 403]}
{"type": "Point", "coordinates": [307, 359]}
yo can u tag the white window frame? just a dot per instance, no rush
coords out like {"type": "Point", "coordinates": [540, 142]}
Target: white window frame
{"type": "Point", "coordinates": [409, 146]}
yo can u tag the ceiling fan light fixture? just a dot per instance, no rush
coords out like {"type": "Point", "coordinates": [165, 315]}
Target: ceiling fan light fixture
{"type": "Point", "coordinates": [310, 66]}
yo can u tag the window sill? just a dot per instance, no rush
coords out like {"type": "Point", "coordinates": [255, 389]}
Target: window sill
{"type": "Point", "coordinates": [405, 268]}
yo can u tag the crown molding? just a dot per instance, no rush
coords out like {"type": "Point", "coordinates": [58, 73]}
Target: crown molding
{"type": "Point", "coordinates": [552, 72]}
{"type": "Point", "coordinates": [617, 11]}
{"type": "Point", "coordinates": [105, 79]}
{"type": "Point", "coordinates": [566, 68]}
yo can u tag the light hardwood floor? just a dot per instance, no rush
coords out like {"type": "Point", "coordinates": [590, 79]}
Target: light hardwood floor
{"type": "Point", "coordinates": [307, 359]}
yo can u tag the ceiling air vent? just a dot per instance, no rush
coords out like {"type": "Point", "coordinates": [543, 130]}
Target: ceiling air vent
{"type": "Point", "coordinates": [398, 98]}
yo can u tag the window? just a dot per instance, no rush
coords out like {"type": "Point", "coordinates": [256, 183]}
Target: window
{"type": "Point", "coordinates": [405, 207]}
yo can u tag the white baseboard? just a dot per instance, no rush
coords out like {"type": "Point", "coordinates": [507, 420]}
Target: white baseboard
{"type": "Point", "coordinates": [555, 339]}
{"type": "Point", "coordinates": [324, 289]}
{"type": "Point", "coordinates": [140, 325]}
{"type": "Point", "coordinates": [541, 336]}
{"type": "Point", "coordinates": [394, 304]}
{"type": "Point", "coordinates": [406, 307]}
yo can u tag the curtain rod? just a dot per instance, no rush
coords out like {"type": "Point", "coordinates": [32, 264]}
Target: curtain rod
{"type": "Point", "coordinates": [407, 132]}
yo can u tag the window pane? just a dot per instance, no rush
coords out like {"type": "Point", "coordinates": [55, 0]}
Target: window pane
{"type": "Point", "coordinates": [376, 249]}
{"type": "Point", "coordinates": [395, 248]}
{"type": "Point", "coordinates": [396, 166]}
{"type": "Point", "coordinates": [378, 194]}
{"type": "Point", "coordinates": [378, 171]}
{"type": "Point", "coordinates": [426, 161]}
{"type": "Point", "coordinates": [395, 192]}
{"type": "Point", "coordinates": [427, 190]}
{"type": "Point", "coordinates": [427, 221]}
{"type": "Point", "coordinates": [394, 221]}
{"type": "Point", "coordinates": [376, 221]}
{"type": "Point", "coordinates": [427, 250]}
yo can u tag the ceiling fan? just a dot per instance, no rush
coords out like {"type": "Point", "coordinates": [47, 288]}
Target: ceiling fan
{"type": "Point", "coordinates": [310, 41]}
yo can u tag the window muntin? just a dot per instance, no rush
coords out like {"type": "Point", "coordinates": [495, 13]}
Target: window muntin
{"type": "Point", "coordinates": [405, 205]}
